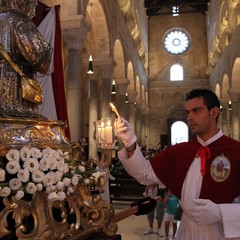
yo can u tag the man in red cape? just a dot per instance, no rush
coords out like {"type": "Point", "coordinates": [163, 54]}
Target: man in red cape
{"type": "Point", "coordinates": [207, 193]}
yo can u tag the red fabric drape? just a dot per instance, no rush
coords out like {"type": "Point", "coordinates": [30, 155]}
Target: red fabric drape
{"type": "Point", "coordinates": [57, 76]}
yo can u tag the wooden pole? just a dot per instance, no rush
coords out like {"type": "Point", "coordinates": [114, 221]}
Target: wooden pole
{"type": "Point", "coordinates": [130, 211]}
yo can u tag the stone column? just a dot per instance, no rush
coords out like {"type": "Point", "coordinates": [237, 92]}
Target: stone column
{"type": "Point", "coordinates": [121, 86]}
{"type": "Point", "coordinates": [131, 114]}
{"type": "Point", "coordinates": [105, 67]}
{"type": "Point", "coordinates": [144, 134]}
{"type": "Point", "coordinates": [138, 128]}
{"type": "Point", "coordinates": [234, 95]}
{"type": "Point", "coordinates": [93, 116]}
{"type": "Point", "coordinates": [224, 117]}
{"type": "Point", "coordinates": [74, 38]}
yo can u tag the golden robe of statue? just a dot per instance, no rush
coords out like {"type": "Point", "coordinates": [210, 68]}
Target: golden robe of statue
{"type": "Point", "coordinates": [28, 50]}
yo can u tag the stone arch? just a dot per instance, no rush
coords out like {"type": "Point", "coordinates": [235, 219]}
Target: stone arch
{"type": "Point", "coordinates": [100, 32]}
{"type": "Point", "coordinates": [119, 70]}
{"type": "Point", "coordinates": [218, 90]}
{"type": "Point", "coordinates": [138, 88]}
{"type": "Point", "coordinates": [130, 76]}
{"type": "Point", "coordinates": [165, 96]}
{"type": "Point", "coordinates": [235, 76]}
{"type": "Point", "coordinates": [225, 87]}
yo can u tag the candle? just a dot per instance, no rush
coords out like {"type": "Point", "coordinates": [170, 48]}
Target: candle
{"type": "Point", "coordinates": [109, 132]}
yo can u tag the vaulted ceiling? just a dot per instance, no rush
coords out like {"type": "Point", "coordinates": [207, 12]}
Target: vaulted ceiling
{"type": "Point", "coordinates": [161, 7]}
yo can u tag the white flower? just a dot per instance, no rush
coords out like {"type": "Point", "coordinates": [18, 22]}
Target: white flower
{"type": "Point", "coordinates": [15, 184]}
{"type": "Point", "coordinates": [36, 153]}
{"type": "Point", "coordinates": [55, 153]}
{"type": "Point", "coordinates": [44, 164]}
{"type": "Point", "coordinates": [49, 179]}
{"type": "Point", "coordinates": [23, 175]}
{"type": "Point", "coordinates": [41, 170]}
{"type": "Point", "coordinates": [13, 167]}
{"type": "Point", "coordinates": [25, 153]}
{"type": "Point", "coordinates": [31, 188]}
{"type": "Point", "coordinates": [81, 168]}
{"type": "Point", "coordinates": [54, 188]}
{"type": "Point", "coordinates": [65, 168]}
{"type": "Point", "coordinates": [5, 192]}
{"type": "Point", "coordinates": [60, 185]}
{"type": "Point", "coordinates": [53, 163]}
{"type": "Point", "coordinates": [2, 175]}
{"type": "Point", "coordinates": [60, 166]}
{"type": "Point", "coordinates": [61, 195]}
{"type": "Point", "coordinates": [59, 151]}
{"type": "Point", "coordinates": [37, 176]}
{"type": "Point", "coordinates": [39, 187]}
{"type": "Point", "coordinates": [70, 190]}
{"type": "Point", "coordinates": [48, 189]}
{"type": "Point", "coordinates": [58, 176]}
{"type": "Point", "coordinates": [47, 152]}
{"type": "Point", "coordinates": [31, 164]}
{"type": "Point", "coordinates": [67, 182]}
{"type": "Point", "coordinates": [75, 180]}
{"type": "Point", "coordinates": [53, 196]}
{"type": "Point", "coordinates": [13, 155]}
{"type": "Point", "coordinates": [19, 195]}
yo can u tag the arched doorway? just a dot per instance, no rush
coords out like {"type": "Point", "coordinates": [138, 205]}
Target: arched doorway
{"type": "Point", "coordinates": [179, 132]}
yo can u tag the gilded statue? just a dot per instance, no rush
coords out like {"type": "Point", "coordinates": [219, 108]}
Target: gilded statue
{"type": "Point", "coordinates": [26, 48]}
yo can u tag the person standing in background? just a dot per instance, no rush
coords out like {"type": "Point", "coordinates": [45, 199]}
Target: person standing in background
{"type": "Point", "coordinates": [153, 191]}
{"type": "Point", "coordinates": [171, 203]}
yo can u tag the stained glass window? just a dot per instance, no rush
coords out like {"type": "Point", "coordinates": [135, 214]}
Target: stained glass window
{"type": "Point", "coordinates": [176, 41]}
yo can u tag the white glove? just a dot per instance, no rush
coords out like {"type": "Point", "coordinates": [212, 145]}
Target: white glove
{"type": "Point", "coordinates": [124, 131]}
{"type": "Point", "coordinates": [205, 212]}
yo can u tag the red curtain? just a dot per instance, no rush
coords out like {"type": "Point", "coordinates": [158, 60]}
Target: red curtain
{"type": "Point", "coordinates": [58, 77]}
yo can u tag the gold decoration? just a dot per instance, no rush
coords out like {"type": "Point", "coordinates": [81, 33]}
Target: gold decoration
{"type": "Point", "coordinates": [80, 215]}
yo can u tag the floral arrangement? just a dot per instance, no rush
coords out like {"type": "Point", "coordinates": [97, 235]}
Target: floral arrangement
{"type": "Point", "coordinates": [31, 170]}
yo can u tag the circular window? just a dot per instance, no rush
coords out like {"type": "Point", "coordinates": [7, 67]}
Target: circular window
{"type": "Point", "coordinates": [176, 41]}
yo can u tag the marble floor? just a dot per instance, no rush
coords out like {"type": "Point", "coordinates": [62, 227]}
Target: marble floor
{"type": "Point", "coordinates": [133, 227]}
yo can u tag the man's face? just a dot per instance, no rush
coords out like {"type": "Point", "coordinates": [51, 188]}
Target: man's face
{"type": "Point", "coordinates": [201, 121]}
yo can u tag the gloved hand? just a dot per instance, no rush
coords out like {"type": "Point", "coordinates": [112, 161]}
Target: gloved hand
{"type": "Point", "coordinates": [124, 131]}
{"type": "Point", "coordinates": [145, 205]}
{"type": "Point", "coordinates": [205, 212]}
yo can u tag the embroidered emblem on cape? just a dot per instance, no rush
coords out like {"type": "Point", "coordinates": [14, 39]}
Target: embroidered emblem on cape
{"type": "Point", "coordinates": [220, 168]}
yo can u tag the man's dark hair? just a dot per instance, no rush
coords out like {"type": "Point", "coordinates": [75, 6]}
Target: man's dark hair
{"type": "Point", "coordinates": [210, 99]}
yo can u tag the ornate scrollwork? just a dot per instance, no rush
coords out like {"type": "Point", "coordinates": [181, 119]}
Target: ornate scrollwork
{"type": "Point", "coordinates": [81, 214]}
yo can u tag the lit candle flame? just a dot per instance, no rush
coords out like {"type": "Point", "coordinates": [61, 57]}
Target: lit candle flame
{"type": "Point", "coordinates": [114, 109]}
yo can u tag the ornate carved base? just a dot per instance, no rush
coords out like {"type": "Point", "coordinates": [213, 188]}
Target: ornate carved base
{"type": "Point", "coordinates": [33, 132]}
{"type": "Point", "coordinates": [80, 215]}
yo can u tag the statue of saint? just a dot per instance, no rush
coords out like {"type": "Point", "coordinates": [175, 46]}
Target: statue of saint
{"type": "Point", "coordinates": [21, 40]}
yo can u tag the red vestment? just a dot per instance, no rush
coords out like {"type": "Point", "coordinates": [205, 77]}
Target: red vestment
{"type": "Point", "coordinates": [172, 164]}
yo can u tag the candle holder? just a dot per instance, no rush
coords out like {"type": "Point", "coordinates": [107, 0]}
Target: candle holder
{"type": "Point", "coordinates": [105, 133]}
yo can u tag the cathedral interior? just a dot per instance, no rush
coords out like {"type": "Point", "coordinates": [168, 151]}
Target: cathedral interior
{"type": "Point", "coordinates": [143, 56]}
{"type": "Point", "coordinates": [126, 42]}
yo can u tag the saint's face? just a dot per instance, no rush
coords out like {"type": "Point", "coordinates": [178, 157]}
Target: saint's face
{"type": "Point", "coordinates": [201, 121]}
{"type": "Point", "coordinates": [31, 8]}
